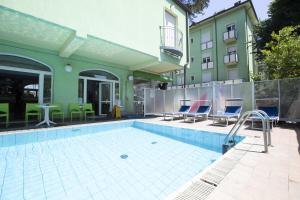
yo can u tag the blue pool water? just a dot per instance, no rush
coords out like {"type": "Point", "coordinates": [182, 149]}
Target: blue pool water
{"type": "Point", "coordinates": [124, 160]}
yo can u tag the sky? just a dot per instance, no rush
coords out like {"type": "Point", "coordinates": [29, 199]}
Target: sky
{"type": "Point", "coordinates": [261, 7]}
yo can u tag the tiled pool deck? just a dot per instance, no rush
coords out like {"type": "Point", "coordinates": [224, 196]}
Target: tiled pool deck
{"type": "Point", "coordinates": [273, 175]}
{"type": "Point", "coordinates": [250, 174]}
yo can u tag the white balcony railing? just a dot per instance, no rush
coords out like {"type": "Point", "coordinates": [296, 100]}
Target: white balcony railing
{"type": "Point", "coordinates": [208, 65]}
{"type": "Point", "coordinates": [231, 58]}
{"type": "Point", "coordinates": [230, 35]}
{"type": "Point", "coordinates": [171, 40]}
{"type": "Point", "coordinates": [206, 45]}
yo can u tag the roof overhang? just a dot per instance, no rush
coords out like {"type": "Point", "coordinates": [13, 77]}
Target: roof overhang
{"type": "Point", "coordinates": [27, 30]}
{"type": "Point", "coordinates": [151, 77]}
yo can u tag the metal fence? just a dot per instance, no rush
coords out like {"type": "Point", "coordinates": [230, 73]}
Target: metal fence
{"type": "Point", "coordinates": [285, 94]}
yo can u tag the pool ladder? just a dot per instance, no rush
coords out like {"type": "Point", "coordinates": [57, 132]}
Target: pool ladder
{"type": "Point", "coordinates": [229, 140]}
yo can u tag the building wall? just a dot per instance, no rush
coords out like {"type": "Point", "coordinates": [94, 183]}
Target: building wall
{"type": "Point", "coordinates": [216, 27]}
{"type": "Point", "coordinates": [133, 24]}
{"type": "Point", "coordinates": [65, 84]}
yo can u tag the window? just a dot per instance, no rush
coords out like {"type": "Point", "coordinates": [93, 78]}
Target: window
{"type": "Point", "coordinates": [233, 74]}
{"type": "Point", "coordinates": [205, 37]}
{"type": "Point", "coordinates": [192, 40]}
{"type": "Point", "coordinates": [231, 50]}
{"type": "Point", "coordinates": [206, 42]}
{"type": "Point", "coordinates": [206, 77]}
{"type": "Point", "coordinates": [192, 59]}
{"type": "Point", "coordinates": [230, 27]}
{"type": "Point", "coordinates": [206, 59]}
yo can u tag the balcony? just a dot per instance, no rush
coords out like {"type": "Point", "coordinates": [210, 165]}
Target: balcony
{"type": "Point", "coordinates": [230, 36]}
{"type": "Point", "coordinates": [231, 59]}
{"type": "Point", "coordinates": [171, 41]}
{"type": "Point", "coordinates": [208, 65]}
{"type": "Point", "coordinates": [206, 45]}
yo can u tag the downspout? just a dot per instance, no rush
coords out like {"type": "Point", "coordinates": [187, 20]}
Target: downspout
{"type": "Point", "coordinates": [216, 47]}
{"type": "Point", "coordinates": [247, 50]}
{"type": "Point", "coordinates": [187, 48]}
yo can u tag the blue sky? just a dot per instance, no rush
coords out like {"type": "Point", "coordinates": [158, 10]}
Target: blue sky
{"type": "Point", "coordinates": [261, 7]}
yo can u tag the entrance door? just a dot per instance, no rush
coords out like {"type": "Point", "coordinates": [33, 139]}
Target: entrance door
{"type": "Point", "coordinates": [105, 96]}
{"type": "Point", "coordinates": [92, 94]}
{"type": "Point", "coordinates": [170, 32]}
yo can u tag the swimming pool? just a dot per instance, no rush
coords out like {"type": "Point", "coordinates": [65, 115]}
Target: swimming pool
{"type": "Point", "coordinates": [118, 160]}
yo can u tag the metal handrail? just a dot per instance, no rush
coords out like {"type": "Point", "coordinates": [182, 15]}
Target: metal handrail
{"type": "Point", "coordinates": [241, 121]}
{"type": "Point", "coordinates": [171, 37]}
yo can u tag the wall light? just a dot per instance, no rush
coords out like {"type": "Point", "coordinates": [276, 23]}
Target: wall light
{"type": "Point", "coordinates": [68, 68]}
{"type": "Point", "coordinates": [130, 78]}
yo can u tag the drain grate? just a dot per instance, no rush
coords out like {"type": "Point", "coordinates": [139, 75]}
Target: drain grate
{"type": "Point", "coordinates": [197, 191]}
{"type": "Point", "coordinates": [213, 177]}
{"type": "Point", "coordinates": [201, 189]}
{"type": "Point", "coordinates": [124, 156]}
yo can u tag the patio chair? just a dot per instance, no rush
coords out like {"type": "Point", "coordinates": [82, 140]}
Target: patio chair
{"type": "Point", "coordinates": [88, 109]}
{"type": "Point", "coordinates": [202, 112]}
{"type": "Point", "coordinates": [229, 112]}
{"type": "Point", "coordinates": [272, 112]}
{"type": "Point", "coordinates": [182, 110]}
{"type": "Point", "coordinates": [4, 112]}
{"type": "Point", "coordinates": [74, 109]}
{"type": "Point", "coordinates": [32, 109]}
{"type": "Point", "coordinates": [57, 112]}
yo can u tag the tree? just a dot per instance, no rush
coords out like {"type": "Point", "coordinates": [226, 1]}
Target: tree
{"type": "Point", "coordinates": [196, 6]}
{"type": "Point", "coordinates": [282, 54]}
{"type": "Point", "coordinates": [281, 13]}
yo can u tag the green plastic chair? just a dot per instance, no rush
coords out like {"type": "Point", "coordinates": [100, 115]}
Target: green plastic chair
{"type": "Point", "coordinates": [74, 109]}
{"type": "Point", "coordinates": [32, 109]}
{"type": "Point", "coordinates": [88, 109]}
{"type": "Point", "coordinates": [4, 112]}
{"type": "Point", "coordinates": [57, 112]}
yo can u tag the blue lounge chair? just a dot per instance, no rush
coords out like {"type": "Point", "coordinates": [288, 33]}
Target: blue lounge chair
{"type": "Point", "coordinates": [272, 112]}
{"type": "Point", "coordinates": [202, 111]}
{"type": "Point", "coordinates": [230, 112]}
{"type": "Point", "coordinates": [182, 110]}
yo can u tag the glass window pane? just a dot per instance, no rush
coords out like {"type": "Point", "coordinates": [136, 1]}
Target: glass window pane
{"type": "Point", "coordinates": [80, 91]}
{"type": "Point", "coordinates": [105, 92]}
{"type": "Point", "coordinates": [117, 94]}
{"type": "Point", "coordinates": [47, 89]}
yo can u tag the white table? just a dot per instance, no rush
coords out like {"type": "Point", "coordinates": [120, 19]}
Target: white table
{"type": "Point", "coordinates": [46, 115]}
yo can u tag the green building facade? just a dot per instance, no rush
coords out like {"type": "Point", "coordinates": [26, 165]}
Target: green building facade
{"type": "Point", "coordinates": [221, 47]}
{"type": "Point", "coordinates": [63, 52]}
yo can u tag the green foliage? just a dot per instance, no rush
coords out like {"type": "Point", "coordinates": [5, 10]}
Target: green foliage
{"type": "Point", "coordinates": [282, 55]}
{"type": "Point", "coordinates": [256, 76]}
{"type": "Point", "coordinates": [282, 13]}
{"type": "Point", "coordinates": [196, 6]}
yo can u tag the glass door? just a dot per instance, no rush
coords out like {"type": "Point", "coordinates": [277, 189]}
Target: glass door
{"type": "Point", "coordinates": [105, 96]}
{"type": "Point", "coordinates": [170, 32]}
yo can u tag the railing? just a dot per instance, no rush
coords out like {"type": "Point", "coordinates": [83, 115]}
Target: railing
{"type": "Point", "coordinates": [208, 65]}
{"type": "Point", "coordinates": [206, 45]}
{"type": "Point", "coordinates": [230, 35]}
{"type": "Point", "coordinates": [229, 139]}
{"type": "Point", "coordinates": [231, 58]}
{"type": "Point", "coordinates": [171, 40]}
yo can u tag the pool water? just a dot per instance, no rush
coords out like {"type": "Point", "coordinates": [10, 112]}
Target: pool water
{"type": "Point", "coordinates": [126, 160]}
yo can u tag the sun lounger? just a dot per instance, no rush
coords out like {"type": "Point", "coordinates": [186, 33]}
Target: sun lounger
{"type": "Point", "coordinates": [272, 112]}
{"type": "Point", "coordinates": [230, 112]}
{"type": "Point", "coordinates": [202, 111]}
{"type": "Point", "coordinates": [182, 110]}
